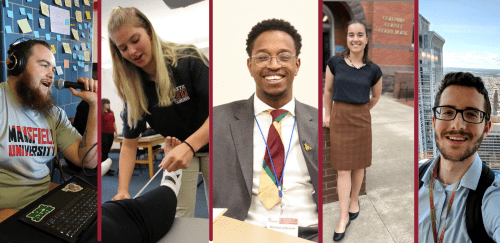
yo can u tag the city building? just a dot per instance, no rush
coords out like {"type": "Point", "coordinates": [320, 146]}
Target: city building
{"type": "Point", "coordinates": [430, 59]}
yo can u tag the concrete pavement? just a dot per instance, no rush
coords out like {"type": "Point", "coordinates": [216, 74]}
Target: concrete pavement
{"type": "Point", "coordinates": [387, 211]}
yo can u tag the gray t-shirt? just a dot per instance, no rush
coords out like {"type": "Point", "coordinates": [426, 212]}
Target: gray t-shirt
{"type": "Point", "coordinates": [28, 140]}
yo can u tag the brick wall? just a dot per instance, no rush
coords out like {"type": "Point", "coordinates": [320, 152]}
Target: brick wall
{"type": "Point", "coordinates": [402, 76]}
{"type": "Point", "coordinates": [330, 174]}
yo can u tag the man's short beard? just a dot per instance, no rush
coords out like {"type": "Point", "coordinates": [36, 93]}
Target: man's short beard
{"type": "Point", "coordinates": [33, 98]}
{"type": "Point", "coordinates": [467, 153]}
{"type": "Point", "coordinates": [275, 96]}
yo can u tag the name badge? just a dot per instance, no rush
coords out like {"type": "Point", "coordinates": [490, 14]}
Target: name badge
{"type": "Point", "coordinates": [289, 226]}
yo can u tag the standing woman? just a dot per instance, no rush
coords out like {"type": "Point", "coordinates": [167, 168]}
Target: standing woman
{"type": "Point", "coordinates": [349, 79]}
{"type": "Point", "coordinates": [108, 130]}
{"type": "Point", "coordinates": [166, 85]}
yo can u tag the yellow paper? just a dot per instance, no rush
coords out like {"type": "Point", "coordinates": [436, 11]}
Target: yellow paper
{"type": "Point", "coordinates": [67, 48]}
{"type": "Point", "coordinates": [86, 2]}
{"type": "Point", "coordinates": [68, 3]}
{"type": "Point", "coordinates": [87, 56]}
{"type": "Point", "coordinates": [58, 2]}
{"type": "Point", "coordinates": [25, 26]}
{"type": "Point", "coordinates": [78, 16]}
{"type": "Point", "coordinates": [66, 63]}
{"type": "Point", "coordinates": [88, 14]}
{"type": "Point", "coordinates": [45, 9]}
{"type": "Point", "coordinates": [77, 3]}
{"type": "Point", "coordinates": [75, 34]}
{"type": "Point", "coordinates": [53, 49]}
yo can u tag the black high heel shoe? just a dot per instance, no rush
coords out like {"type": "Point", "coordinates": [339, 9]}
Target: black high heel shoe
{"type": "Point", "coordinates": [355, 215]}
{"type": "Point", "coordinates": [340, 236]}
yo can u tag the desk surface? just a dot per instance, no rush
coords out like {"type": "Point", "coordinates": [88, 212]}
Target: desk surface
{"type": "Point", "coordinates": [187, 230]}
{"type": "Point", "coordinates": [232, 230]}
{"type": "Point", "coordinates": [119, 139]}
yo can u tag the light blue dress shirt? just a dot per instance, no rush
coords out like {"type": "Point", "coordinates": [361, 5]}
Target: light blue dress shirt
{"type": "Point", "coordinates": [456, 231]}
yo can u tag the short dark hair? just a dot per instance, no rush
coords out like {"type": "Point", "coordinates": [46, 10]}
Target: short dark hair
{"type": "Point", "coordinates": [273, 24]}
{"type": "Point", "coordinates": [467, 80]}
{"type": "Point", "coordinates": [25, 49]}
{"type": "Point", "coordinates": [105, 101]}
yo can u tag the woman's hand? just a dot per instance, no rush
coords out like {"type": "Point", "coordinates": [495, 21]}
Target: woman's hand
{"type": "Point", "coordinates": [326, 121]}
{"type": "Point", "coordinates": [121, 196]}
{"type": "Point", "coordinates": [178, 158]}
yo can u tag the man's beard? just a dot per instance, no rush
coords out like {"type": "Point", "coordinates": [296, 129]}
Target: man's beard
{"type": "Point", "coordinates": [467, 153]}
{"type": "Point", "coordinates": [32, 97]}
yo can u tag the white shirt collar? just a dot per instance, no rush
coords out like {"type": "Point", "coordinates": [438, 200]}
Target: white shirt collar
{"type": "Point", "coordinates": [259, 106]}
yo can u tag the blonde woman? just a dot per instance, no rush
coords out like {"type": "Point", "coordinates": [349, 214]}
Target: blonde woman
{"type": "Point", "coordinates": [167, 86]}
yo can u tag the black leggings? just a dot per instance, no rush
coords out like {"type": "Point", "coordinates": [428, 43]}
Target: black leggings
{"type": "Point", "coordinates": [144, 219]}
{"type": "Point", "coordinates": [106, 143]}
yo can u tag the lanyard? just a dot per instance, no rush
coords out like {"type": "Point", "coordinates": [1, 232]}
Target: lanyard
{"type": "Point", "coordinates": [286, 157]}
{"type": "Point", "coordinates": [433, 212]}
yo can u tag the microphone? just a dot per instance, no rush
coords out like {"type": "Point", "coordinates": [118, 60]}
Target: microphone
{"type": "Point", "coordinates": [61, 84]}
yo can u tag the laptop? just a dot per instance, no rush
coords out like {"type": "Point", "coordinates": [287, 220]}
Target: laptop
{"type": "Point", "coordinates": [66, 211]}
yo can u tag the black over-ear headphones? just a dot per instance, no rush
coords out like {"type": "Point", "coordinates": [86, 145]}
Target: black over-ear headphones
{"type": "Point", "coordinates": [16, 62]}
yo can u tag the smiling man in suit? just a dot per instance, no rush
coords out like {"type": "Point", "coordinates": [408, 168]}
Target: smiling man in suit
{"type": "Point", "coordinates": [265, 157]}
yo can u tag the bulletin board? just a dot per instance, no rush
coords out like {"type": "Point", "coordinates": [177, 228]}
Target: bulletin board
{"type": "Point", "coordinates": [72, 51]}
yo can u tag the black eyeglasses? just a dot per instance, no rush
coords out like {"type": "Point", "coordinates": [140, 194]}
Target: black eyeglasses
{"type": "Point", "coordinates": [446, 113]}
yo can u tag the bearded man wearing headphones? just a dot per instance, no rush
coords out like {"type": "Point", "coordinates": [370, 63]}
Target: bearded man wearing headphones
{"type": "Point", "coordinates": [33, 129]}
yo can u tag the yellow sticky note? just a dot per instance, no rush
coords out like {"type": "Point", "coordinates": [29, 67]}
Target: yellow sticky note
{"type": "Point", "coordinates": [87, 56]}
{"type": "Point", "coordinates": [78, 16]}
{"type": "Point", "coordinates": [86, 2]}
{"type": "Point", "coordinates": [53, 49]}
{"type": "Point", "coordinates": [68, 3]}
{"type": "Point", "coordinates": [66, 63]}
{"type": "Point", "coordinates": [88, 14]}
{"type": "Point", "coordinates": [58, 2]}
{"type": "Point", "coordinates": [67, 48]}
{"type": "Point", "coordinates": [77, 3]}
{"type": "Point", "coordinates": [75, 34]}
{"type": "Point", "coordinates": [45, 9]}
{"type": "Point", "coordinates": [25, 26]}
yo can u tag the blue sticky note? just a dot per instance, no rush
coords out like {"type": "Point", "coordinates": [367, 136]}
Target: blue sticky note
{"type": "Point", "coordinates": [83, 35]}
{"type": "Point", "coordinates": [74, 55]}
{"type": "Point", "coordinates": [85, 25]}
{"type": "Point", "coordinates": [47, 36]}
{"type": "Point", "coordinates": [29, 1]}
{"type": "Point", "coordinates": [30, 16]}
{"type": "Point", "coordinates": [10, 14]}
{"type": "Point", "coordinates": [90, 29]}
{"type": "Point", "coordinates": [74, 67]}
{"type": "Point", "coordinates": [6, 3]}
{"type": "Point", "coordinates": [90, 25]}
{"type": "Point", "coordinates": [76, 47]}
{"type": "Point", "coordinates": [58, 37]}
{"type": "Point", "coordinates": [36, 34]}
{"type": "Point", "coordinates": [23, 11]}
{"type": "Point", "coordinates": [67, 22]}
{"type": "Point", "coordinates": [80, 26]}
{"type": "Point", "coordinates": [88, 45]}
{"type": "Point", "coordinates": [90, 36]}
{"type": "Point", "coordinates": [8, 29]}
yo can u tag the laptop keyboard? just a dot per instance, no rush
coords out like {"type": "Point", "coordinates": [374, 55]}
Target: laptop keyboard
{"type": "Point", "coordinates": [75, 214]}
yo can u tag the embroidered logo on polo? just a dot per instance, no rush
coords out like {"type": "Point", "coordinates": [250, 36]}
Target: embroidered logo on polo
{"type": "Point", "coordinates": [180, 94]}
{"type": "Point", "coordinates": [40, 212]}
{"type": "Point", "coordinates": [30, 141]}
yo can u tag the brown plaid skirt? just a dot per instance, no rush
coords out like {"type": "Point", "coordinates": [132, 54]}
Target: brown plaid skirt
{"type": "Point", "coordinates": [350, 136]}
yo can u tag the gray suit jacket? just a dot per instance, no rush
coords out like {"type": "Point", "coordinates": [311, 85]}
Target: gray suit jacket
{"type": "Point", "coordinates": [233, 153]}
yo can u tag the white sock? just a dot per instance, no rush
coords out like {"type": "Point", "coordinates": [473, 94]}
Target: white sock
{"type": "Point", "coordinates": [105, 165]}
{"type": "Point", "coordinates": [172, 180]}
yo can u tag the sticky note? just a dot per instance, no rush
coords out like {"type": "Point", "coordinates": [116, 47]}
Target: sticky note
{"type": "Point", "coordinates": [87, 56]}
{"type": "Point", "coordinates": [86, 68]}
{"type": "Point", "coordinates": [58, 2]}
{"type": "Point", "coordinates": [68, 3]}
{"type": "Point", "coordinates": [80, 26]}
{"type": "Point", "coordinates": [8, 29]}
{"type": "Point", "coordinates": [88, 45]}
{"type": "Point", "coordinates": [67, 48]}
{"type": "Point", "coordinates": [66, 63]}
{"type": "Point", "coordinates": [66, 22]}
{"type": "Point", "coordinates": [86, 2]}
{"type": "Point", "coordinates": [45, 9]}
{"type": "Point", "coordinates": [90, 35]}
{"type": "Point", "coordinates": [78, 16]}
{"type": "Point", "coordinates": [90, 25]}
{"type": "Point", "coordinates": [74, 68]}
{"type": "Point", "coordinates": [75, 34]}
{"type": "Point", "coordinates": [58, 37]}
{"type": "Point", "coordinates": [77, 3]}
{"type": "Point", "coordinates": [42, 23]}
{"type": "Point", "coordinates": [76, 47]}
{"type": "Point", "coordinates": [36, 34]}
{"type": "Point", "coordinates": [74, 55]}
{"type": "Point", "coordinates": [29, 1]}
{"type": "Point", "coordinates": [59, 70]}
{"type": "Point", "coordinates": [6, 3]}
{"type": "Point", "coordinates": [83, 47]}
{"type": "Point", "coordinates": [83, 35]}
{"type": "Point", "coordinates": [30, 16]}
{"type": "Point", "coordinates": [10, 14]}
{"type": "Point", "coordinates": [53, 49]}
{"type": "Point", "coordinates": [88, 14]}
{"type": "Point", "coordinates": [85, 25]}
{"type": "Point", "coordinates": [47, 36]}
{"type": "Point", "coordinates": [24, 25]}
{"type": "Point", "coordinates": [23, 11]}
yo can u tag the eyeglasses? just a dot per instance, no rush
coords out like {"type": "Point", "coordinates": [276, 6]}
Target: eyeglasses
{"type": "Point", "coordinates": [469, 115]}
{"type": "Point", "coordinates": [263, 59]}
